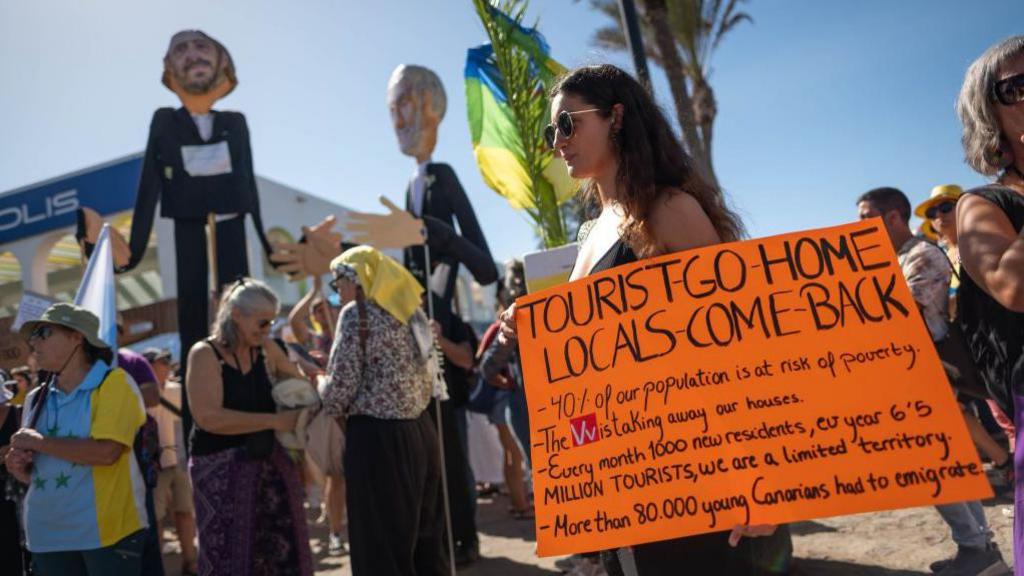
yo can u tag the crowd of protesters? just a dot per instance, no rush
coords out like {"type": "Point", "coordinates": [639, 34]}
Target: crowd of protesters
{"type": "Point", "coordinates": [358, 404]}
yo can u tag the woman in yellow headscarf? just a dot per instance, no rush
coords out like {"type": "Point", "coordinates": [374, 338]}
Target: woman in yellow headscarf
{"type": "Point", "coordinates": [379, 386]}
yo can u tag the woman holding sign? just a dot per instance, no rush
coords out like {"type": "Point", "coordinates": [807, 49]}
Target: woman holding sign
{"type": "Point", "coordinates": [610, 132]}
{"type": "Point", "coordinates": [990, 222]}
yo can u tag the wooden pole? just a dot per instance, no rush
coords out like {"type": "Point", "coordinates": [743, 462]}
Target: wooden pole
{"type": "Point", "coordinates": [211, 252]}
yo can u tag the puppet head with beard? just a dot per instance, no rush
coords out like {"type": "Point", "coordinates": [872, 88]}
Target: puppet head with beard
{"type": "Point", "coordinates": [199, 70]}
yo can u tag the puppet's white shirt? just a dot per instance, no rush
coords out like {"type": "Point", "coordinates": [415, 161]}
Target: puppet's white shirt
{"type": "Point", "coordinates": [419, 187]}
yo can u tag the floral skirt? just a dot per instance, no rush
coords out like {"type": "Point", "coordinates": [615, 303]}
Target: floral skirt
{"type": "Point", "coordinates": [249, 515]}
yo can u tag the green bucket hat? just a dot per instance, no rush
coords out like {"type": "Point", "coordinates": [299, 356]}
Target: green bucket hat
{"type": "Point", "coordinates": [69, 316]}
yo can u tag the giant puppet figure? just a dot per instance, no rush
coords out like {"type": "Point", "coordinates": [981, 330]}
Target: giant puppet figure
{"type": "Point", "coordinates": [417, 102]}
{"type": "Point", "coordinates": [438, 232]}
{"type": "Point", "coordinates": [198, 166]}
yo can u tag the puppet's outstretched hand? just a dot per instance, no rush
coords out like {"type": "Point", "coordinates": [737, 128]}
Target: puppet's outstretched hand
{"type": "Point", "coordinates": [396, 229]}
{"type": "Point", "coordinates": [90, 224]}
{"type": "Point", "coordinates": [312, 258]}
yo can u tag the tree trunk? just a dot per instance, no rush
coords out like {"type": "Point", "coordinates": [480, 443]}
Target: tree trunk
{"type": "Point", "coordinates": [656, 14]}
{"type": "Point", "coordinates": [705, 110]}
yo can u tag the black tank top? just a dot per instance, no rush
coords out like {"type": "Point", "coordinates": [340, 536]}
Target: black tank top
{"type": "Point", "coordinates": [994, 334]}
{"type": "Point", "coordinates": [249, 392]}
{"type": "Point", "coordinates": [620, 253]}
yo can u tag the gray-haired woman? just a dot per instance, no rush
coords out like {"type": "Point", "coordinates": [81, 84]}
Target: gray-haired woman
{"type": "Point", "coordinates": [248, 496]}
{"type": "Point", "coordinates": [990, 223]}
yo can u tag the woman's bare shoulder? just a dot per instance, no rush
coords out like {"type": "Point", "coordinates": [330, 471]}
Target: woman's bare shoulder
{"type": "Point", "coordinates": [673, 208]}
{"type": "Point", "coordinates": [201, 350]}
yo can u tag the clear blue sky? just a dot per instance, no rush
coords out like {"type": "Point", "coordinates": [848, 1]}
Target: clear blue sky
{"type": "Point", "coordinates": [818, 101]}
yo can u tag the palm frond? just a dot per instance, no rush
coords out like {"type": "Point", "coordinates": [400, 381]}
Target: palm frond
{"type": "Point", "coordinates": [527, 99]}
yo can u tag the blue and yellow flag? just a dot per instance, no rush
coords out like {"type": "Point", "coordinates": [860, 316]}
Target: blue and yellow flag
{"type": "Point", "coordinates": [496, 143]}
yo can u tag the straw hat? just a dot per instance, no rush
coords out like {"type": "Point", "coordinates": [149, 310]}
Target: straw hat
{"type": "Point", "coordinates": [941, 193]}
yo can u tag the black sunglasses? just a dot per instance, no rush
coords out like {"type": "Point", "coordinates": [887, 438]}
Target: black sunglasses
{"type": "Point", "coordinates": [42, 332]}
{"type": "Point", "coordinates": [563, 125]}
{"type": "Point", "coordinates": [941, 208]}
{"type": "Point", "coordinates": [1009, 91]}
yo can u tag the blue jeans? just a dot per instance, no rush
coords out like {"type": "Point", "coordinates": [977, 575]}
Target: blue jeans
{"type": "Point", "coordinates": [967, 522]}
{"type": "Point", "coordinates": [123, 558]}
{"type": "Point", "coordinates": [519, 418]}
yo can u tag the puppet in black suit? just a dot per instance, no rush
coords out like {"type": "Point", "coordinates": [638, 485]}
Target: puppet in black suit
{"type": "Point", "coordinates": [197, 163]}
{"type": "Point", "coordinates": [439, 221]}
{"type": "Point", "coordinates": [417, 102]}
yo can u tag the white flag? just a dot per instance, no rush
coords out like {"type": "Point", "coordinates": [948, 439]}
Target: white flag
{"type": "Point", "coordinates": [97, 293]}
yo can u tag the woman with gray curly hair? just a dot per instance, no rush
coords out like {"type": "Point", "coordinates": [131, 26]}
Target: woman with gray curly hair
{"type": "Point", "coordinates": [990, 221]}
{"type": "Point", "coordinates": [247, 492]}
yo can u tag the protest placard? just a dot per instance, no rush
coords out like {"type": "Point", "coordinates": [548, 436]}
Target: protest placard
{"type": "Point", "coordinates": [31, 307]}
{"type": "Point", "coordinates": [758, 382]}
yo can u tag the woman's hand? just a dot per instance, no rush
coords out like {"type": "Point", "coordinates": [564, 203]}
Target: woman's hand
{"type": "Point", "coordinates": [287, 420]}
{"type": "Point", "coordinates": [755, 531]}
{"type": "Point", "coordinates": [500, 382]}
{"type": "Point", "coordinates": [508, 326]}
{"type": "Point", "coordinates": [26, 439]}
{"type": "Point", "coordinates": [19, 464]}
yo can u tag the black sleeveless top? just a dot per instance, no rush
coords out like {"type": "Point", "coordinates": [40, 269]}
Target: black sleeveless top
{"type": "Point", "coordinates": [249, 392]}
{"type": "Point", "coordinates": [620, 253]}
{"type": "Point", "coordinates": [994, 334]}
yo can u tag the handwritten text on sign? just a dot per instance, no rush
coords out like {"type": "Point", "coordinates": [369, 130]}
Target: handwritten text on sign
{"type": "Point", "coordinates": [759, 382]}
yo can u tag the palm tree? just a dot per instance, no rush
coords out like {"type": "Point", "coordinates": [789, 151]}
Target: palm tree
{"type": "Point", "coordinates": [685, 34]}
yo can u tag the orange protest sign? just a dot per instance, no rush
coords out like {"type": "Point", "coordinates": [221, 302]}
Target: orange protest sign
{"type": "Point", "coordinates": [759, 382]}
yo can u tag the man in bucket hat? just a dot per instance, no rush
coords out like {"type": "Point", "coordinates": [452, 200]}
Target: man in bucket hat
{"type": "Point", "coordinates": [85, 506]}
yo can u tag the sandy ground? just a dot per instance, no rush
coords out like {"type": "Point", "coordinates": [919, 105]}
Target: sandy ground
{"type": "Point", "coordinates": [895, 543]}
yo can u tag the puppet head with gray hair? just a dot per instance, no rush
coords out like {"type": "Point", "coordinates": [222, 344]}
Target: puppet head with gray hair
{"type": "Point", "coordinates": [198, 69]}
{"type": "Point", "coordinates": [417, 103]}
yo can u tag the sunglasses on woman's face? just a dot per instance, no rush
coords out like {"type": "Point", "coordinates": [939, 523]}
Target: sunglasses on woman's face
{"type": "Point", "coordinates": [1009, 91]}
{"type": "Point", "coordinates": [942, 208]}
{"type": "Point", "coordinates": [563, 125]}
{"type": "Point", "coordinates": [41, 333]}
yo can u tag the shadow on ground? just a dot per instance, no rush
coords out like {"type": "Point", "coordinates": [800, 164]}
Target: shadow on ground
{"type": "Point", "coordinates": [807, 567]}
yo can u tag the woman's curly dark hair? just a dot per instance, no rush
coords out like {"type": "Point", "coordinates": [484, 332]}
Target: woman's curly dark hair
{"type": "Point", "coordinates": [651, 158]}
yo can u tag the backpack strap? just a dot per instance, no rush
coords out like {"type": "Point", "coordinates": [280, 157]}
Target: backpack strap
{"type": "Point", "coordinates": [38, 401]}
